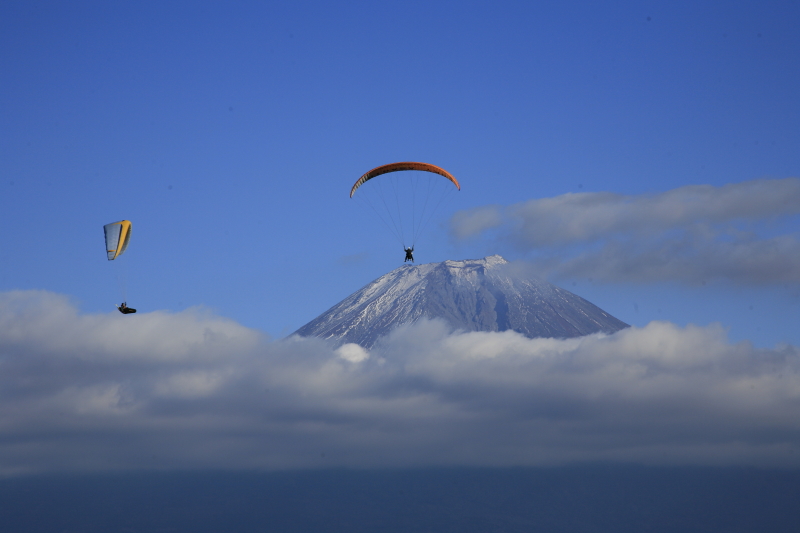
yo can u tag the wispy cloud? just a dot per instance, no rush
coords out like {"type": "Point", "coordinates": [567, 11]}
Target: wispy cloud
{"type": "Point", "coordinates": [691, 234]}
{"type": "Point", "coordinates": [191, 390]}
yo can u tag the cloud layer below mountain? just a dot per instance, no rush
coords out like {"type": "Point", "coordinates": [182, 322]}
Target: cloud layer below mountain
{"type": "Point", "coordinates": [191, 390]}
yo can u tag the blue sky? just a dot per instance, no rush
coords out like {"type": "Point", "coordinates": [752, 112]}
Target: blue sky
{"type": "Point", "coordinates": [230, 135]}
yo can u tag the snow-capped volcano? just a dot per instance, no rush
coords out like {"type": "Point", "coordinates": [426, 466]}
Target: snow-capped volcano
{"type": "Point", "coordinates": [472, 295]}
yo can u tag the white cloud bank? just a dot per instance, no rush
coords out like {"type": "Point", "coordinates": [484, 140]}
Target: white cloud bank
{"type": "Point", "coordinates": [189, 390]}
{"type": "Point", "coordinates": [691, 234]}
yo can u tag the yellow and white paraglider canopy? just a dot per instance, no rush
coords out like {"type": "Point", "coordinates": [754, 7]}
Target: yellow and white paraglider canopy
{"type": "Point", "coordinates": [118, 234]}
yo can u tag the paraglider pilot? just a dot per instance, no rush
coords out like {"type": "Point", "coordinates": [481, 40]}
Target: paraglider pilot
{"type": "Point", "coordinates": [409, 254]}
{"type": "Point", "coordinates": [124, 309]}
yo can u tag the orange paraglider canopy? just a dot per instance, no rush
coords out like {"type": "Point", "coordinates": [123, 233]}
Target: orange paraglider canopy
{"type": "Point", "coordinates": [406, 165]}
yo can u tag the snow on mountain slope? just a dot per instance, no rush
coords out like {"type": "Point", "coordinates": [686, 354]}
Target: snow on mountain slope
{"type": "Point", "coordinates": [471, 295]}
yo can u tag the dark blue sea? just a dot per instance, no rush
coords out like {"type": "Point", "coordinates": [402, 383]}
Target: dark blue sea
{"type": "Point", "coordinates": [559, 500]}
